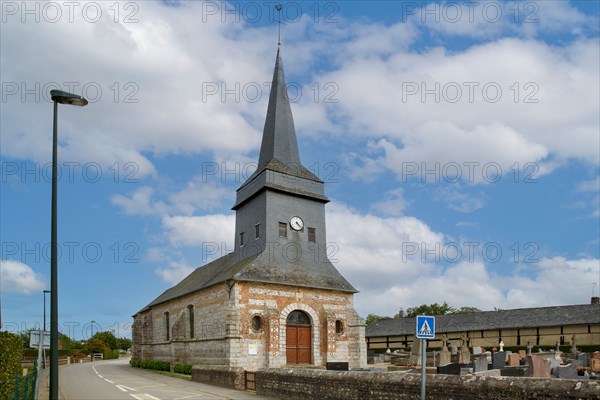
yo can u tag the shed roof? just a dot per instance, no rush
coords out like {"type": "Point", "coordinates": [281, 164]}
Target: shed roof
{"type": "Point", "coordinates": [502, 319]}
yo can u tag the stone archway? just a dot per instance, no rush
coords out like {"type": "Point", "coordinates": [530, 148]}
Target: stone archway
{"type": "Point", "coordinates": [316, 358]}
{"type": "Point", "coordinates": [298, 340]}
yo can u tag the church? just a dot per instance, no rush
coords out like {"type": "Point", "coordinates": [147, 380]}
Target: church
{"type": "Point", "coordinates": [276, 300]}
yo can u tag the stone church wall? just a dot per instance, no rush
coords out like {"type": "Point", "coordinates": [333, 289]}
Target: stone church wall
{"type": "Point", "coordinates": [212, 323]}
{"type": "Point", "coordinates": [223, 332]}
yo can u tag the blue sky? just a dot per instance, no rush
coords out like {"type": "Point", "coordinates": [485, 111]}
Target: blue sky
{"type": "Point", "coordinates": [459, 143]}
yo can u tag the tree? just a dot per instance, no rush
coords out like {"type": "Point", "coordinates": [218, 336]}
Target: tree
{"type": "Point", "coordinates": [466, 310]}
{"type": "Point", "coordinates": [123, 343]}
{"type": "Point", "coordinates": [107, 337]}
{"type": "Point", "coordinates": [431, 309]}
{"type": "Point", "coordinates": [96, 345]}
{"type": "Point", "coordinates": [373, 317]}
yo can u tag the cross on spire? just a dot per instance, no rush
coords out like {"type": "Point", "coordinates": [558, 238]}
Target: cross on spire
{"type": "Point", "coordinates": [279, 7]}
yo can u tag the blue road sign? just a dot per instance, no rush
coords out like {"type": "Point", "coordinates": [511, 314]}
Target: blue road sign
{"type": "Point", "coordinates": [425, 327]}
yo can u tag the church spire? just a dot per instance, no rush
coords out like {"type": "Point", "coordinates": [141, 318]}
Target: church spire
{"type": "Point", "coordinates": [279, 135]}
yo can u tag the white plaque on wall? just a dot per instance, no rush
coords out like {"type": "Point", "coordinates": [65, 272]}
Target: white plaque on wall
{"type": "Point", "coordinates": [252, 348]}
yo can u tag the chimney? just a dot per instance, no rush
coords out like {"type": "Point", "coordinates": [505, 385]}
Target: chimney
{"type": "Point", "coordinates": [595, 300]}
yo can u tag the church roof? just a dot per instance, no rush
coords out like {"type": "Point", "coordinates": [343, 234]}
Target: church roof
{"type": "Point", "coordinates": [257, 268]}
{"type": "Point", "coordinates": [583, 314]}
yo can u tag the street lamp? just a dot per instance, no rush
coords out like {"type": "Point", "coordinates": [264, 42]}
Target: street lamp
{"type": "Point", "coordinates": [58, 96]}
{"type": "Point", "coordinates": [44, 327]}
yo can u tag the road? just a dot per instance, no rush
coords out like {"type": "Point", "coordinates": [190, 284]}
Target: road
{"type": "Point", "coordinates": [116, 380]}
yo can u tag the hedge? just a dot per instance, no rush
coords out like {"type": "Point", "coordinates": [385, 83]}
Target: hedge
{"type": "Point", "coordinates": [109, 354]}
{"type": "Point", "coordinates": [156, 365]}
{"type": "Point", "coordinates": [11, 354]}
{"type": "Point", "coordinates": [185, 369]}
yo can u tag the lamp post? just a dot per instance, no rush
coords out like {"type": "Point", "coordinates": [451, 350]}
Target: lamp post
{"type": "Point", "coordinates": [44, 327]}
{"type": "Point", "coordinates": [58, 96]}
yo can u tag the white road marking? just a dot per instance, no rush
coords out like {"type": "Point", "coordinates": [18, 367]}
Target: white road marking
{"type": "Point", "coordinates": [144, 396]}
{"type": "Point", "coordinates": [124, 388]}
{"type": "Point", "coordinates": [100, 376]}
{"type": "Point", "coordinates": [108, 380]}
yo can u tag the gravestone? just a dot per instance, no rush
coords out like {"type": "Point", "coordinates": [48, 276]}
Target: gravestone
{"type": "Point", "coordinates": [553, 364]}
{"type": "Point", "coordinates": [522, 353]}
{"type": "Point", "coordinates": [488, 355]}
{"type": "Point", "coordinates": [574, 350]}
{"type": "Point", "coordinates": [476, 350]}
{"type": "Point", "coordinates": [529, 348]}
{"type": "Point", "coordinates": [498, 360]}
{"type": "Point", "coordinates": [337, 366]}
{"type": "Point", "coordinates": [444, 357]}
{"type": "Point", "coordinates": [583, 357]}
{"type": "Point", "coordinates": [514, 371]}
{"type": "Point", "coordinates": [480, 363]}
{"type": "Point", "coordinates": [513, 359]}
{"type": "Point", "coordinates": [595, 361]}
{"type": "Point", "coordinates": [568, 371]}
{"type": "Point", "coordinates": [453, 349]}
{"type": "Point", "coordinates": [464, 355]}
{"type": "Point", "coordinates": [415, 352]}
{"type": "Point", "coordinates": [449, 369]}
{"type": "Point", "coordinates": [538, 367]}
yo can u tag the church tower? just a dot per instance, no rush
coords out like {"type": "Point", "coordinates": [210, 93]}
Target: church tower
{"type": "Point", "coordinates": [280, 209]}
{"type": "Point", "coordinates": [277, 299]}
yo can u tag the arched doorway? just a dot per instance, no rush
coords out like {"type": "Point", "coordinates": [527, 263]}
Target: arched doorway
{"type": "Point", "coordinates": [298, 338]}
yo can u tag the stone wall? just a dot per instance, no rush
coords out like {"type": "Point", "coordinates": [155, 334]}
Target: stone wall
{"type": "Point", "coordinates": [305, 384]}
{"type": "Point", "coordinates": [222, 376]}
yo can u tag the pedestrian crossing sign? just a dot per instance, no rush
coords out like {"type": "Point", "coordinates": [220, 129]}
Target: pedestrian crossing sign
{"type": "Point", "coordinates": [425, 327]}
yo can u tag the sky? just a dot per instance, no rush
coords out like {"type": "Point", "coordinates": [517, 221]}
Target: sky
{"type": "Point", "coordinates": [459, 143]}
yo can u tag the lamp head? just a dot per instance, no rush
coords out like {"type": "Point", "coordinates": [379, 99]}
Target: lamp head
{"type": "Point", "coordinates": [63, 97]}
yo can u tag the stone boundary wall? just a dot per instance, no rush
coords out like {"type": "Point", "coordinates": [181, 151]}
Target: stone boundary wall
{"type": "Point", "coordinates": [306, 384]}
{"type": "Point", "coordinates": [229, 377]}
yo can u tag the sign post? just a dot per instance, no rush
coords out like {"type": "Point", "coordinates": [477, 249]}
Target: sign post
{"type": "Point", "coordinates": [41, 340]}
{"type": "Point", "coordinates": [425, 329]}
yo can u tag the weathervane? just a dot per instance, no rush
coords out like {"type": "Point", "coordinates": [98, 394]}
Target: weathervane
{"type": "Point", "coordinates": [279, 7]}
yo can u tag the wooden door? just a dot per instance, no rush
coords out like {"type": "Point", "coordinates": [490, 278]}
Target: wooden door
{"type": "Point", "coordinates": [298, 344]}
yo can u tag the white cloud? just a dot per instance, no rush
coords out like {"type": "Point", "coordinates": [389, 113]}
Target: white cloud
{"type": "Point", "coordinates": [18, 277]}
{"type": "Point", "coordinates": [459, 201]}
{"type": "Point", "coordinates": [393, 204]}
{"type": "Point", "coordinates": [497, 102]}
{"type": "Point", "coordinates": [199, 194]}
{"type": "Point", "coordinates": [592, 185]}
{"type": "Point", "coordinates": [200, 230]}
{"type": "Point", "coordinates": [175, 272]}
{"type": "Point", "coordinates": [370, 255]}
{"type": "Point", "coordinates": [140, 202]}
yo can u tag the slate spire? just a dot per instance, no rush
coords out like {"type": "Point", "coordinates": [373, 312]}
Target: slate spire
{"type": "Point", "coordinates": [279, 135]}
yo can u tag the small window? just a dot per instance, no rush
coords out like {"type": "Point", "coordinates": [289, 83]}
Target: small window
{"type": "Point", "coordinates": [298, 317]}
{"type": "Point", "coordinates": [312, 235]}
{"type": "Point", "coordinates": [241, 239]}
{"type": "Point", "coordinates": [257, 231]}
{"type": "Point", "coordinates": [282, 229]}
{"type": "Point", "coordinates": [339, 327]}
{"type": "Point", "coordinates": [191, 320]}
{"type": "Point", "coordinates": [257, 323]}
{"type": "Point", "coordinates": [167, 326]}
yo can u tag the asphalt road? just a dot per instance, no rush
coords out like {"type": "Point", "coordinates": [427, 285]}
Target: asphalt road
{"type": "Point", "coordinates": [116, 380]}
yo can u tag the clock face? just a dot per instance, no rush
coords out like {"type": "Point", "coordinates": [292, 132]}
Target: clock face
{"type": "Point", "coordinates": [296, 223]}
